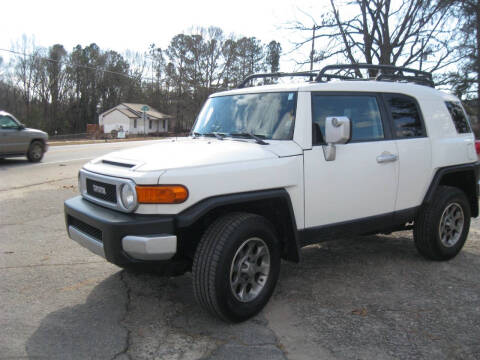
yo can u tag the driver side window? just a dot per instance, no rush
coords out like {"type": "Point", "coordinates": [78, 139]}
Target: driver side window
{"type": "Point", "coordinates": [362, 110]}
{"type": "Point", "coordinates": [6, 122]}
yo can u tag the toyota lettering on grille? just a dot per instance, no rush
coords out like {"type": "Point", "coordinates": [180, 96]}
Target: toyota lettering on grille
{"type": "Point", "coordinates": [99, 189]}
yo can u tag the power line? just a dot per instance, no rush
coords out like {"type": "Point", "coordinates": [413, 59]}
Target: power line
{"type": "Point", "coordinates": [72, 65]}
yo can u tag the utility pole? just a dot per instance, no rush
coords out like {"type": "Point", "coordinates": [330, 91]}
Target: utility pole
{"type": "Point", "coordinates": [312, 53]}
{"type": "Point", "coordinates": [144, 109]}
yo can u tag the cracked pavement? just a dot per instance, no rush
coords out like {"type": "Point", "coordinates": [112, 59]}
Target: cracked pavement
{"type": "Point", "coordinates": [372, 297]}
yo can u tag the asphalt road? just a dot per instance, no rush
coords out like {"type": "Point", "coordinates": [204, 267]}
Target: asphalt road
{"type": "Point", "coordinates": [18, 172]}
{"type": "Point", "coordinates": [372, 297]}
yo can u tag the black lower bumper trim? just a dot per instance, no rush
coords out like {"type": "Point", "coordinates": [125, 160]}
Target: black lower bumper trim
{"type": "Point", "coordinates": [113, 226]}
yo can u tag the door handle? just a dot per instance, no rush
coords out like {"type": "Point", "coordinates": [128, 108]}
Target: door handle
{"type": "Point", "coordinates": [386, 157]}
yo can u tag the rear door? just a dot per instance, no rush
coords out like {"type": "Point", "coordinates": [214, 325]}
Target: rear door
{"type": "Point", "coordinates": [362, 180]}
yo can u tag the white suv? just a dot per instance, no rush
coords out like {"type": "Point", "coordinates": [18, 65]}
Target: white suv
{"type": "Point", "coordinates": [270, 169]}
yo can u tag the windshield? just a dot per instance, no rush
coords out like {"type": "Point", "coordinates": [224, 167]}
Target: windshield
{"type": "Point", "coordinates": [265, 115]}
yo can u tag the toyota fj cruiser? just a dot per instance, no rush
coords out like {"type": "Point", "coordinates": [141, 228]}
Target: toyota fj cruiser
{"type": "Point", "coordinates": [272, 168]}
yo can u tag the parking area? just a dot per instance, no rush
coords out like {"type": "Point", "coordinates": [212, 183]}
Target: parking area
{"type": "Point", "coordinates": [371, 297]}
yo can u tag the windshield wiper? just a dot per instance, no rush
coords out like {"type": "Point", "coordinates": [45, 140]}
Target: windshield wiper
{"type": "Point", "coordinates": [250, 135]}
{"type": "Point", "coordinates": [218, 135]}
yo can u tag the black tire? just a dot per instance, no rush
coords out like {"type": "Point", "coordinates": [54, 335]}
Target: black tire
{"type": "Point", "coordinates": [35, 151]}
{"type": "Point", "coordinates": [426, 231]}
{"type": "Point", "coordinates": [212, 265]}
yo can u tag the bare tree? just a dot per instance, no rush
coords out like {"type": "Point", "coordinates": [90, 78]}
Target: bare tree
{"type": "Point", "coordinates": [25, 72]}
{"type": "Point", "coordinates": [214, 41]}
{"type": "Point", "coordinates": [57, 78]}
{"type": "Point", "coordinates": [401, 33]}
{"type": "Point", "coordinates": [55, 89]}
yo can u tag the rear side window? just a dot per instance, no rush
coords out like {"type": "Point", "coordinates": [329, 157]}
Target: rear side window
{"type": "Point", "coordinates": [362, 110]}
{"type": "Point", "coordinates": [407, 122]}
{"type": "Point", "coordinates": [458, 116]}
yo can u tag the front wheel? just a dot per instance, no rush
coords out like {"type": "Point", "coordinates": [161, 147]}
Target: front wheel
{"type": "Point", "coordinates": [236, 266]}
{"type": "Point", "coordinates": [35, 151]}
{"type": "Point", "coordinates": [441, 228]}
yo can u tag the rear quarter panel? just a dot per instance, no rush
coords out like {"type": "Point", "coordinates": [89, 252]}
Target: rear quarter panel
{"type": "Point", "coordinates": [448, 147]}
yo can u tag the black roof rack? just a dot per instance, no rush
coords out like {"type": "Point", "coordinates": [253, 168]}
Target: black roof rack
{"type": "Point", "coordinates": [382, 73]}
{"type": "Point", "coordinates": [311, 74]}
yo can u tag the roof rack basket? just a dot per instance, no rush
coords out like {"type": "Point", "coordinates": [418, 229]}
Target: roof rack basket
{"type": "Point", "coordinates": [352, 72]}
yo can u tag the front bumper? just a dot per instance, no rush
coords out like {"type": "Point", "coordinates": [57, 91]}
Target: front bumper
{"type": "Point", "coordinates": [118, 237]}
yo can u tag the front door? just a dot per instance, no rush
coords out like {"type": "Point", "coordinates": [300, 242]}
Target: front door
{"type": "Point", "coordinates": [362, 180]}
{"type": "Point", "coordinates": [12, 140]}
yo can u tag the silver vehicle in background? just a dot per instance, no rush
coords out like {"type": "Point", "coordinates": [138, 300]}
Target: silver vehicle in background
{"type": "Point", "coordinates": [17, 140]}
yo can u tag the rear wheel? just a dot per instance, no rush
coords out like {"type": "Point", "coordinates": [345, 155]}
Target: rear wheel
{"type": "Point", "coordinates": [236, 266]}
{"type": "Point", "coordinates": [441, 228]}
{"type": "Point", "coordinates": [35, 151]}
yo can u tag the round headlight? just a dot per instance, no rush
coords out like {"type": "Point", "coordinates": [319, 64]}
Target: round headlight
{"type": "Point", "coordinates": [128, 196]}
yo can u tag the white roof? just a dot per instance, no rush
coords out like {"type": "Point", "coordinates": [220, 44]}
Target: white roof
{"type": "Point", "coordinates": [418, 91]}
{"type": "Point", "coordinates": [135, 111]}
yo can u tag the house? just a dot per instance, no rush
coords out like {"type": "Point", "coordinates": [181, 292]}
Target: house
{"type": "Point", "coordinates": [130, 118]}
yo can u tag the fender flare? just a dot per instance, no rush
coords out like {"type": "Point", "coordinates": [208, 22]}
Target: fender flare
{"type": "Point", "coordinates": [472, 168]}
{"type": "Point", "coordinates": [195, 212]}
{"type": "Point", "coordinates": [41, 140]}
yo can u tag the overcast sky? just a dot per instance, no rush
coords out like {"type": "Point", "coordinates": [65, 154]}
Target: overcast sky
{"type": "Point", "coordinates": [120, 25]}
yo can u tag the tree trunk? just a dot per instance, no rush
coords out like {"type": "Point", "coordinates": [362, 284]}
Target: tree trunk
{"type": "Point", "coordinates": [477, 60]}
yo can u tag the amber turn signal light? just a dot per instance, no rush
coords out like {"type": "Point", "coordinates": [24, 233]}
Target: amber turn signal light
{"type": "Point", "coordinates": [161, 194]}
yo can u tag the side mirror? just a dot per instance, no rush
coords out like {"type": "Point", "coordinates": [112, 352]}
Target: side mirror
{"type": "Point", "coordinates": [337, 131]}
{"type": "Point", "coordinates": [21, 127]}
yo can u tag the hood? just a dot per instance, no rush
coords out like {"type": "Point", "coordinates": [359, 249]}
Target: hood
{"type": "Point", "coordinates": [36, 131]}
{"type": "Point", "coordinates": [188, 152]}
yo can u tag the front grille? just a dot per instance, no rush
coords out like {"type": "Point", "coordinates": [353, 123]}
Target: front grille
{"type": "Point", "coordinates": [85, 228]}
{"type": "Point", "coordinates": [101, 190]}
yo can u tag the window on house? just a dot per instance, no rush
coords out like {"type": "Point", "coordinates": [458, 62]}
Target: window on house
{"type": "Point", "coordinates": [458, 116]}
{"type": "Point", "coordinates": [135, 123]}
{"type": "Point", "coordinates": [164, 124]}
{"type": "Point", "coordinates": [149, 124]}
{"type": "Point", "coordinates": [406, 117]}
{"type": "Point", "coordinates": [362, 110]}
